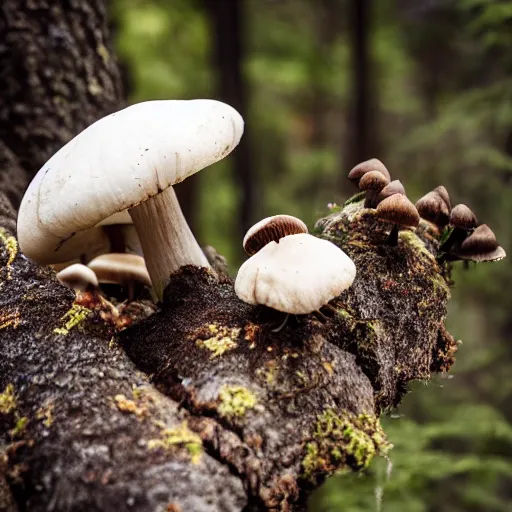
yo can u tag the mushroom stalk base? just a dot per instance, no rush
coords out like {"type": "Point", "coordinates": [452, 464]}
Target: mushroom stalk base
{"type": "Point", "coordinates": [166, 239]}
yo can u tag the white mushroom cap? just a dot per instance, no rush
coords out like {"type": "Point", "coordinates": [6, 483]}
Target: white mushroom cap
{"type": "Point", "coordinates": [78, 277]}
{"type": "Point", "coordinates": [120, 268]}
{"type": "Point", "coordinates": [298, 275]}
{"type": "Point", "coordinates": [121, 161]}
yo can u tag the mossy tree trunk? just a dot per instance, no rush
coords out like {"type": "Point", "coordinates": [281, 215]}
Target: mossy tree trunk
{"type": "Point", "coordinates": [202, 406]}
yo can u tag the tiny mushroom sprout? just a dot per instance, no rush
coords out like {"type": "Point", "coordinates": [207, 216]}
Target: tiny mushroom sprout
{"type": "Point", "coordinates": [398, 210]}
{"type": "Point", "coordinates": [129, 160]}
{"type": "Point", "coordinates": [127, 270]}
{"type": "Point", "coordinates": [296, 274]}
{"type": "Point", "coordinates": [78, 277]}
{"type": "Point", "coordinates": [271, 229]}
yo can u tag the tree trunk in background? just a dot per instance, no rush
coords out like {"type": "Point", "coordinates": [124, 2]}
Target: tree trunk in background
{"type": "Point", "coordinates": [56, 77]}
{"type": "Point", "coordinates": [227, 23]}
{"type": "Point", "coordinates": [361, 141]}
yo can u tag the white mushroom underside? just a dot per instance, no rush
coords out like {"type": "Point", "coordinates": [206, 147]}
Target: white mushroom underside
{"type": "Point", "coordinates": [298, 275]}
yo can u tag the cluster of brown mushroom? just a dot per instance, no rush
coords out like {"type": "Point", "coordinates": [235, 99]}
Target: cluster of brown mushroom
{"type": "Point", "coordinates": [464, 238]}
{"type": "Point", "coordinates": [461, 235]}
{"type": "Point", "coordinates": [386, 196]}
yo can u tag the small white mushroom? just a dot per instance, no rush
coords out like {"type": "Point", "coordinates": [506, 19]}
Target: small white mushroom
{"type": "Point", "coordinates": [129, 160]}
{"type": "Point", "coordinates": [298, 275]}
{"type": "Point", "coordinates": [78, 277]}
{"type": "Point", "coordinates": [128, 270]}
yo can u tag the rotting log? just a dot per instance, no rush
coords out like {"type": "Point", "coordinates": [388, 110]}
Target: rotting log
{"type": "Point", "coordinates": [263, 417]}
{"type": "Point", "coordinates": [302, 403]}
{"type": "Point", "coordinates": [214, 411]}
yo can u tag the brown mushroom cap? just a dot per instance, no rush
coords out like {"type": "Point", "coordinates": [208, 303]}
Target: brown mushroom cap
{"type": "Point", "coordinates": [369, 165]}
{"type": "Point", "coordinates": [393, 187]}
{"type": "Point", "coordinates": [462, 217]}
{"type": "Point", "coordinates": [432, 207]}
{"type": "Point", "coordinates": [443, 193]}
{"type": "Point", "coordinates": [373, 180]}
{"type": "Point", "coordinates": [271, 229]}
{"type": "Point", "coordinates": [481, 245]}
{"type": "Point", "coordinates": [399, 210]}
{"type": "Point", "coordinates": [120, 268]}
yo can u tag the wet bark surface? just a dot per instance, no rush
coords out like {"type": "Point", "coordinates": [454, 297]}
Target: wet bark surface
{"type": "Point", "coordinates": [199, 406]}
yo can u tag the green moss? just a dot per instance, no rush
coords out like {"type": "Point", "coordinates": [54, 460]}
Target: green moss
{"type": "Point", "coordinates": [413, 241]}
{"type": "Point", "coordinates": [181, 436]}
{"type": "Point", "coordinates": [7, 400]}
{"type": "Point", "coordinates": [356, 198]}
{"type": "Point", "coordinates": [342, 442]}
{"type": "Point", "coordinates": [219, 340]}
{"type": "Point", "coordinates": [440, 284]}
{"type": "Point", "coordinates": [235, 401]}
{"type": "Point", "coordinates": [74, 317]}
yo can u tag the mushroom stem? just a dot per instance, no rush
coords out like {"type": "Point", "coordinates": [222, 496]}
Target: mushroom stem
{"type": "Point", "coordinates": [393, 236]}
{"type": "Point", "coordinates": [166, 239]}
{"type": "Point", "coordinates": [456, 237]}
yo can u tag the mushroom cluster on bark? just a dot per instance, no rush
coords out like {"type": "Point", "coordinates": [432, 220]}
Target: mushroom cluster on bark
{"type": "Point", "coordinates": [386, 196]}
{"type": "Point", "coordinates": [457, 229]}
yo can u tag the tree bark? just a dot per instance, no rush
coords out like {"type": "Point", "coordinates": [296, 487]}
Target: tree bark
{"type": "Point", "coordinates": [58, 75]}
{"type": "Point", "coordinates": [201, 406]}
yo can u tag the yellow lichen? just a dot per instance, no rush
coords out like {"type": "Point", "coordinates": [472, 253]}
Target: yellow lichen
{"type": "Point", "coordinates": [7, 400]}
{"type": "Point", "coordinates": [74, 317]}
{"type": "Point", "coordinates": [102, 51]}
{"type": "Point", "coordinates": [235, 401]}
{"type": "Point", "coordinates": [94, 87]}
{"type": "Point", "coordinates": [130, 406]}
{"type": "Point", "coordinates": [180, 436]}
{"type": "Point", "coordinates": [217, 339]}
{"type": "Point", "coordinates": [11, 319]}
{"type": "Point", "coordinates": [11, 247]}
{"type": "Point", "coordinates": [45, 414]}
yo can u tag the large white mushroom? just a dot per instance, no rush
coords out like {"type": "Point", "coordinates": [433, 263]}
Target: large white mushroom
{"type": "Point", "coordinates": [129, 160]}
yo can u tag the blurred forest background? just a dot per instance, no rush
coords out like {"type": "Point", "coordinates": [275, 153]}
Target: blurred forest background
{"type": "Point", "coordinates": [424, 85]}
